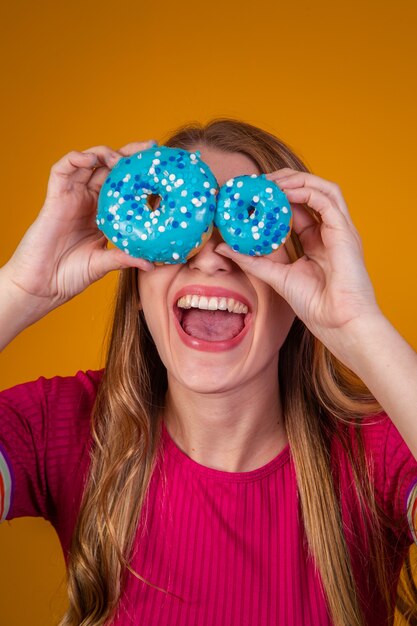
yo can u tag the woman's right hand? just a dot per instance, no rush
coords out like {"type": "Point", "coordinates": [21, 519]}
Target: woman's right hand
{"type": "Point", "coordinates": [63, 251]}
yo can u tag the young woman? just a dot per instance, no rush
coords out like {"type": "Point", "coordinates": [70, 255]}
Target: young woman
{"type": "Point", "coordinates": [269, 479]}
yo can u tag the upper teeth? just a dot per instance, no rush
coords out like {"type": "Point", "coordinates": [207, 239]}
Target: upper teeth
{"type": "Point", "coordinates": [212, 304]}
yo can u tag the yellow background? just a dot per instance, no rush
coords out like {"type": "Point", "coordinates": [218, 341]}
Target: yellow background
{"type": "Point", "coordinates": [337, 81]}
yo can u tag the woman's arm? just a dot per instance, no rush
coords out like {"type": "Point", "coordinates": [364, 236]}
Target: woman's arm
{"type": "Point", "coordinates": [63, 251]}
{"type": "Point", "coordinates": [330, 290]}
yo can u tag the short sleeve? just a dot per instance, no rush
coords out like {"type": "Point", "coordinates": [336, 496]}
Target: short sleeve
{"type": "Point", "coordinates": [44, 431]}
{"type": "Point", "coordinates": [396, 477]}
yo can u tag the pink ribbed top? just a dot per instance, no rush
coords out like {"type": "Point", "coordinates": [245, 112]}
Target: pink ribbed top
{"type": "Point", "coordinates": [223, 548]}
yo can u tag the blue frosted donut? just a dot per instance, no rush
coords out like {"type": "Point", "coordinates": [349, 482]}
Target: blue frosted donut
{"type": "Point", "coordinates": [173, 231]}
{"type": "Point", "coordinates": [253, 215]}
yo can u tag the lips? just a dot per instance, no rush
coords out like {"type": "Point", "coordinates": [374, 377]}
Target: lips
{"type": "Point", "coordinates": [203, 317]}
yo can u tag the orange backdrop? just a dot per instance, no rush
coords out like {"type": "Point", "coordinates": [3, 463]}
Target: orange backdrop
{"type": "Point", "coordinates": [334, 80]}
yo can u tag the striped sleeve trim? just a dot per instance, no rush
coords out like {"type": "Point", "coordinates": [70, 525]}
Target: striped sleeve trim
{"type": "Point", "coordinates": [5, 487]}
{"type": "Point", "coordinates": [412, 511]}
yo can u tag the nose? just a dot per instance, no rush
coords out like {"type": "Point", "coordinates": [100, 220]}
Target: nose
{"type": "Point", "coordinates": [209, 261]}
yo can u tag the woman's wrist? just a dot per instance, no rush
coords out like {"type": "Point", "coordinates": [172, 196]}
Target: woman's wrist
{"type": "Point", "coordinates": [18, 309]}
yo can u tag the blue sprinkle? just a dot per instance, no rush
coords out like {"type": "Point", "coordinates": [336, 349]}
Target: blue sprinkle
{"type": "Point", "coordinates": [240, 203]}
{"type": "Point", "coordinates": [172, 158]}
{"type": "Point", "coordinates": [267, 233]}
{"type": "Point", "coordinates": [235, 247]}
{"type": "Point", "coordinates": [265, 243]}
{"type": "Point", "coordinates": [181, 166]}
{"type": "Point", "coordinates": [240, 216]}
{"type": "Point", "coordinates": [158, 170]}
{"type": "Point", "coordinates": [107, 180]}
{"type": "Point", "coordinates": [137, 177]}
{"type": "Point", "coordinates": [164, 162]}
{"type": "Point", "coordinates": [126, 197]}
{"type": "Point", "coordinates": [175, 224]}
{"type": "Point", "coordinates": [134, 205]}
{"type": "Point", "coordinates": [258, 248]}
{"type": "Point", "coordinates": [127, 161]}
{"type": "Point", "coordinates": [238, 231]}
{"type": "Point", "coordinates": [172, 204]}
{"type": "Point", "coordinates": [128, 218]}
{"type": "Point", "coordinates": [196, 194]}
{"type": "Point", "coordinates": [282, 227]}
{"type": "Point", "coordinates": [113, 185]}
{"type": "Point", "coordinates": [110, 217]}
{"type": "Point", "coordinates": [188, 214]}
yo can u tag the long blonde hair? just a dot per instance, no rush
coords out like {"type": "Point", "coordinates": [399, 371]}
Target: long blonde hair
{"type": "Point", "coordinates": [319, 397]}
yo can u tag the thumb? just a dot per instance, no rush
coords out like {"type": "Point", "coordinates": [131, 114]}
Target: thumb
{"type": "Point", "coordinates": [271, 272]}
{"type": "Point", "coordinates": [111, 259]}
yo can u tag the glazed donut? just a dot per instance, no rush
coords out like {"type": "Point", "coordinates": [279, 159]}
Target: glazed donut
{"type": "Point", "coordinates": [176, 229]}
{"type": "Point", "coordinates": [253, 215]}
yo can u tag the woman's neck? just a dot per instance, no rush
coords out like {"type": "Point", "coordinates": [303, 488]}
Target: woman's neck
{"type": "Point", "coordinates": [235, 431]}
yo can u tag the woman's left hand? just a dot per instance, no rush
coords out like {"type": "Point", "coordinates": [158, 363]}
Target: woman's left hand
{"type": "Point", "coordinates": [328, 288]}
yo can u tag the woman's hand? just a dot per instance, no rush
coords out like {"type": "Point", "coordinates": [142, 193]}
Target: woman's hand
{"type": "Point", "coordinates": [63, 252]}
{"type": "Point", "coordinates": [328, 288]}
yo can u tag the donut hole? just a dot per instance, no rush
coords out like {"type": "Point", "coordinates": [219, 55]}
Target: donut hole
{"type": "Point", "coordinates": [251, 210]}
{"type": "Point", "coordinates": [153, 201]}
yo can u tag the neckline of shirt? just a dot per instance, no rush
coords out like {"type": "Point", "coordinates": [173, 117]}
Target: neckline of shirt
{"type": "Point", "coordinates": [220, 475]}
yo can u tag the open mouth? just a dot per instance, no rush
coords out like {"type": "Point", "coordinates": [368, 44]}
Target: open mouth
{"type": "Point", "coordinates": [217, 320]}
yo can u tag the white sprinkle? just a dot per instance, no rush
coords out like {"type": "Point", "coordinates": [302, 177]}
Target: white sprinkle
{"type": "Point", "coordinates": [125, 242]}
{"type": "Point", "coordinates": [169, 188]}
{"type": "Point", "coordinates": [147, 224]}
{"type": "Point", "coordinates": [157, 153]}
{"type": "Point", "coordinates": [268, 190]}
{"type": "Point", "coordinates": [154, 221]}
{"type": "Point", "coordinates": [284, 209]}
{"type": "Point", "coordinates": [109, 193]}
{"type": "Point", "coordinates": [229, 183]}
{"type": "Point", "coordinates": [275, 246]}
{"type": "Point", "coordinates": [117, 217]}
{"type": "Point", "coordinates": [183, 224]}
{"type": "Point", "coordinates": [184, 193]}
{"type": "Point", "coordinates": [161, 229]}
{"type": "Point", "coordinates": [121, 200]}
{"type": "Point", "coordinates": [127, 178]}
{"type": "Point", "coordinates": [261, 225]}
{"type": "Point", "coordinates": [283, 239]}
{"type": "Point", "coordinates": [255, 199]}
{"type": "Point", "coordinates": [256, 235]}
{"type": "Point", "coordinates": [172, 177]}
{"type": "Point", "coordinates": [102, 220]}
{"type": "Point", "coordinates": [206, 184]}
{"type": "Point", "coordinates": [236, 196]}
{"type": "Point", "coordinates": [175, 256]}
{"type": "Point", "coordinates": [254, 229]}
{"type": "Point", "coordinates": [151, 171]}
{"type": "Point", "coordinates": [116, 194]}
{"type": "Point", "coordinates": [183, 209]}
{"type": "Point", "coordinates": [239, 184]}
{"type": "Point", "coordinates": [116, 226]}
{"type": "Point", "coordinates": [143, 236]}
{"type": "Point", "coordinates": [164, 181]}
{"type": "Point", "coordinates": [114, 239]}
{"type": "Point", "coordinates": [226, 215]}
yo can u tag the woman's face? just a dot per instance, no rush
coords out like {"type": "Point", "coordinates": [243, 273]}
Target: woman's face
{"type": "Point", "coordinates": [245, 345]}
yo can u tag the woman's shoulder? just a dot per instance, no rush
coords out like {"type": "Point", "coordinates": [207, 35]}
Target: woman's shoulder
{"type": "Point", "coordinates": [49, 389]}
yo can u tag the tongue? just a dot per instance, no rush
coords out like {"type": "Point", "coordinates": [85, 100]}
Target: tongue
{"type": "Point", "coordinates": [212, 325]}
